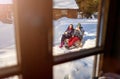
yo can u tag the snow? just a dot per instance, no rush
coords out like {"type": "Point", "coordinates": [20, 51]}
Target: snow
{"type": "Point", "coordinates": [89, 39]}
{"type": "Point", "coordinates": [78, 69]}
{"type": "Point", "coordinates": [6, 1]}
{"type": "Point", "coordinates": [65, 4]}
{"type": "Point", "coordinates": [8, 55]}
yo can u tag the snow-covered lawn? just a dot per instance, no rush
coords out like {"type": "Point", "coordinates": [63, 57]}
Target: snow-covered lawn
{"type": "Point", "coordinates": [78, 69]}
{"type": "Point", "coordinates": [7, 45]}
{"type": "Point", "coordinates": [8, 56]}
{"type": "Point", "coordinates": [60, 25]}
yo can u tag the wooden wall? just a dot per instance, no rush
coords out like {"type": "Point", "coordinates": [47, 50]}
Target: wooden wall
{"type": "Point", "coordinates": [70, 13]}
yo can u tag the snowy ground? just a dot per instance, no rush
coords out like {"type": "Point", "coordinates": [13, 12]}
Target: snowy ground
{"type": "Point", "coordinates": [7, 45]}
{"type": "Point", "coordinates": [78, 69]}
{"type": "Point", "coordinates": [60, 25]}
{"type": "Point", "coordinates": [8, 56]}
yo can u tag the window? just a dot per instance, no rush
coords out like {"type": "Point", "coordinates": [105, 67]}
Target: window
{"type": "Point", "coordinates": [8, 48]}
{"type": "Point", "coordinates": [32, 19]}
{"type": "Point", "coordinates": [7, 35]}
{"type": "Point", "coordinates": [71, 42]}
{"type": "Point", "coordinates": [78, 69]}
{"type": "Point", "coordinates": [92, 43]}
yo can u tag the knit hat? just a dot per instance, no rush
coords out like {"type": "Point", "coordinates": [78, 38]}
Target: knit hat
{"type": "Point", "coordinates": [79, 25]}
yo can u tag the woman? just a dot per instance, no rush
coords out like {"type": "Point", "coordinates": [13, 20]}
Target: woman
{"type": "Point", "coordinates": [67, 34]}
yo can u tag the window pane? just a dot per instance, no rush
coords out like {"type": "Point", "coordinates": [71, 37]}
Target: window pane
{"type": "Point", "coordinates": [82, 15]}
{"type": "Point", "coordinates": [7, 34]}
{"type": "Point", "coordinates": [78, 69]}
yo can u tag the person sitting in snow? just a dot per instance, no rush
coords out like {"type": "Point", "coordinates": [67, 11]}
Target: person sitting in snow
{"type": "Point", "coordinates": [77, 35]}
{"type": "Point", "coordinates": [67, 34]}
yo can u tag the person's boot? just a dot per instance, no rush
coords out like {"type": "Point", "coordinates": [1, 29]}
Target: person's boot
{"type": "Point", "coordinates": [61, 45]}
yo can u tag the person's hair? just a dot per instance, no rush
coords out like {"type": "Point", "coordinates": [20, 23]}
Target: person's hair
{"type": "Point", "coordinates": [71, 28]}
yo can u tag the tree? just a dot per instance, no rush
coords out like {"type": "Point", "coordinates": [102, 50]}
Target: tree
{"type": "Point", "coordinates": [88, 7]}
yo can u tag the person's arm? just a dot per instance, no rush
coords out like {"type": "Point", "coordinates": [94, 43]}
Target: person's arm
{"type": "Point", "coordinates": [65, 32]}
{"type": "Point", "coordinates": [82, 30]}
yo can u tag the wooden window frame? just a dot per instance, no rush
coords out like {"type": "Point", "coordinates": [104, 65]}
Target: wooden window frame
{"type": "Point", "coordinates": [40, 60]}
{"type": "Point", "coordinates": [101, 38]}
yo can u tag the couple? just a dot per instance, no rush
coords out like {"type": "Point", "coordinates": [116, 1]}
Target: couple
{"type": "Point", "coordinates": [72, 35]}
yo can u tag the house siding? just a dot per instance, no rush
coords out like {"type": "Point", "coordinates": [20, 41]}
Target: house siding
{"type": "Point", "coordinates": [70, 13]}
{"type": "Point", "coordinates": [6, 11]}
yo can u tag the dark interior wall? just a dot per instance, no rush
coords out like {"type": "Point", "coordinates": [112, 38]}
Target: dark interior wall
{"type": "Point", "coordinates": [111, 62]}
{"type": "Point", "coordinates": [116, 38]}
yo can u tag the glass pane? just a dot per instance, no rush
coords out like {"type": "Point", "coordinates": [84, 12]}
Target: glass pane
{"type": "Point", "coordinates": [7, 34]}
{"type": "Point", "coordinates": [82, 16]}
{"type": "Point", "coordinates": [78, 69]}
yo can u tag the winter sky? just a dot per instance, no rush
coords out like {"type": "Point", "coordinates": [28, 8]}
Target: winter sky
{"type": "Point", "coordinates": [6, 1]}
